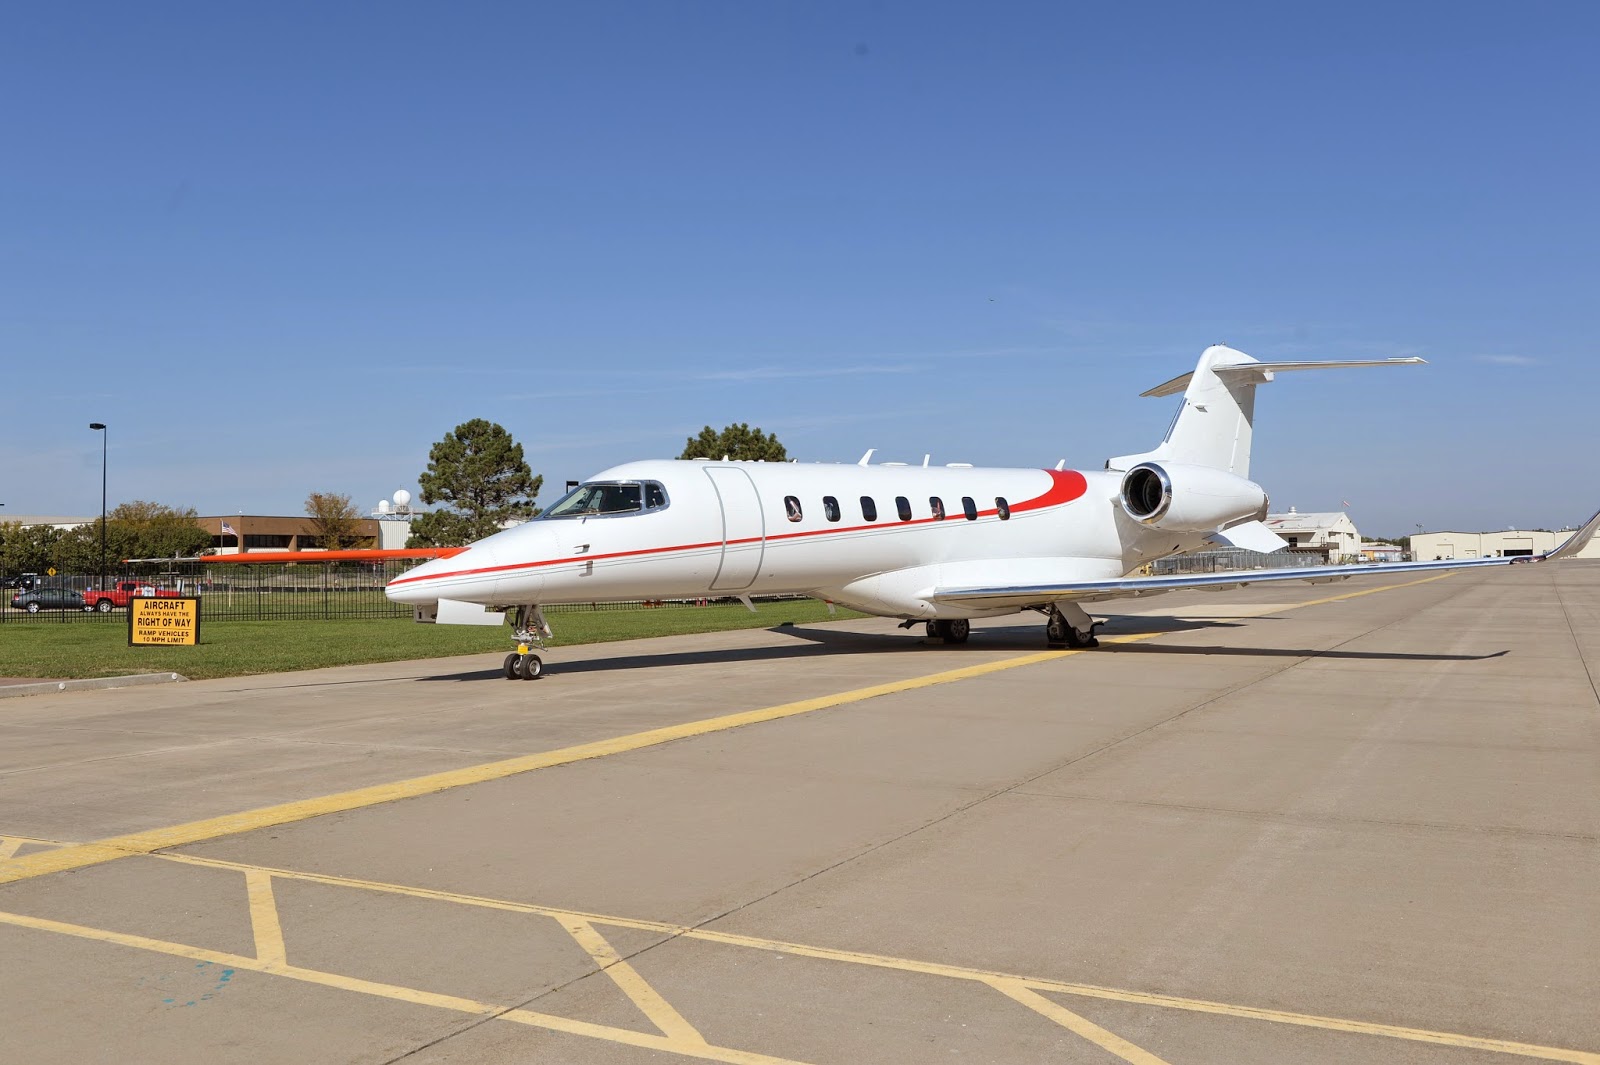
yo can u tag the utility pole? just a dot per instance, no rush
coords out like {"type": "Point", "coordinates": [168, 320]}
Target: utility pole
{"type": "Point", "coordinates": [100, 427]}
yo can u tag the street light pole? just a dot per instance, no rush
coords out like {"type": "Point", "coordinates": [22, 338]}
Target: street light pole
{"type": "Point", "coordinates": [100, 427]}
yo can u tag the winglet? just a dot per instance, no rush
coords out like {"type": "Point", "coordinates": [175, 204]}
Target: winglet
{"type": "Point", "coordinates": [1577, 541]}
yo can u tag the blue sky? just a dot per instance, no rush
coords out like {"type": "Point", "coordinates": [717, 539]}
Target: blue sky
{"type": "Point", "coordinates": [285, 248]}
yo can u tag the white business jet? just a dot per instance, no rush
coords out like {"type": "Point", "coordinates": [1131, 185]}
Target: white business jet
{"type": "Point", "coordinates": [939, 545]}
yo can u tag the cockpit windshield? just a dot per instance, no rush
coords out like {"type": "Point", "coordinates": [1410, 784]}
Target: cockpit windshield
{"type": "Point", "coordinates": [608, 498]}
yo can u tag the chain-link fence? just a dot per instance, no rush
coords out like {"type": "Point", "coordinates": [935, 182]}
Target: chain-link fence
{"type": "Point", "coordinates": [1225, 560]}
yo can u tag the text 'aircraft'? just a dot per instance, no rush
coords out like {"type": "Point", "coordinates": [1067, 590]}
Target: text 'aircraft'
{"type": "Point", "coordinates": [936, 544]}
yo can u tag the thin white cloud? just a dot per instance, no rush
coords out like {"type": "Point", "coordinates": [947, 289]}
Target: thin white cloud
{"type": "Point", "coordinates": [775, 373]}
{"type": "Point", "coordinates": [1508, 360]}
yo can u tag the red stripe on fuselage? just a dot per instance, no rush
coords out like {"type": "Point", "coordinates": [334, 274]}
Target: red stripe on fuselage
{"type": "Point", "coordinates": [1065, 486]}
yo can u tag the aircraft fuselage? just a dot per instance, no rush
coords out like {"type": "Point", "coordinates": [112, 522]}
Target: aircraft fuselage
{"type": "Point", "coordinates": [875, 538]}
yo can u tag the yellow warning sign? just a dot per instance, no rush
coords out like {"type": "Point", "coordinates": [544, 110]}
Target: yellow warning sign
{"type": "Point", "coordinates": [163, 621]}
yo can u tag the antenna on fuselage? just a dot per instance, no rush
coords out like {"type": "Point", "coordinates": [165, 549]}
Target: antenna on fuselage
{"type": "Point", "coordinates": [1062, 465]}
{"type": "Point", "coordinates": [868, 456]}
{"type": "Point", "coordinates": [925, 459]}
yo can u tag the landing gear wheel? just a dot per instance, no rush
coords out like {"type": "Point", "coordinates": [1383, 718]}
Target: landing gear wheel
{"type": "Point", "coordinates": [512, 665]}
{"type": "Point", "coordinates": [957, 630]}
{"type": "Point", "coordinates": [933, 630]}
{"type": "Point", "coordinates": [529, 667]}
{"type": "Point", "coordinates": [1058, 630]}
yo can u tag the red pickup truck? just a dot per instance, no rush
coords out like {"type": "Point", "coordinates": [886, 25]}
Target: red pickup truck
{"type": "Point", "coordinates": [119, 594]}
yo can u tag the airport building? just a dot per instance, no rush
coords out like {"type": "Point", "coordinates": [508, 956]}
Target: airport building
{"type": "Point", "coordinates": [1510, 543]}
{"type": "Point", "coordinates": [1330, 534]}
{"type": "Point", "coordinates": [261, 532]}
{"type": "Point", "coordinates": [1382, 552]}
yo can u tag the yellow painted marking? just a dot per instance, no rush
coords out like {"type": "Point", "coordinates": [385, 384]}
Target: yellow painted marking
{"type": "Point", "coordinates": [106, 850]}
{"type": "Point", "coordinates": [1374, 591]}
{"type": "Point", "coordinates": [958, 972]}
{"type": "Point", "coordinates": [270, 950]}
{"type": "Point", "coordinates": [703, 1051]}
{"type": "Point", "coordinates": [1110, 1042]}
{"type": "Point", "coordinates": [9, 845]}
{"type": "Point", "coordinates": [626, 977]}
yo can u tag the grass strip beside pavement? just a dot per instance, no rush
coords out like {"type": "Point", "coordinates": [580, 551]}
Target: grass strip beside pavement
{"type": "Point", "coordinates": [239, 648]}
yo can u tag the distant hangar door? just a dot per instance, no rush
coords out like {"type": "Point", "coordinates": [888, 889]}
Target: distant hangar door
{"type": "Point", "coordinates": [1518, 547]}
{"type": "Point", "coordinates": [744, 530]}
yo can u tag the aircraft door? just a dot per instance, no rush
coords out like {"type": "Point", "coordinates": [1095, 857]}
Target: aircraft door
{"type": "Point", "coordinates": [743, 529]}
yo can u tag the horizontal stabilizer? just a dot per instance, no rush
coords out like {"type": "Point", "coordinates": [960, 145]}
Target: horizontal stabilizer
{"type": "Point", "coordinates": [1260, 372]}
{"type": "Point", "coordinates": [1250, 536]}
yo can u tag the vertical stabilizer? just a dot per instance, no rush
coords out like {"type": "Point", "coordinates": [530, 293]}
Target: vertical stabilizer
{"type": "Point", "coordinates": [1214, 425]}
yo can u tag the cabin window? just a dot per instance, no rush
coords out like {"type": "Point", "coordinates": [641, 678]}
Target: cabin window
{"type": "Point", "coordinates": [969, 508]}
{"type": "Point", "coordinates": [655, 496]}
{"type": "Point", "coordinates": [791, 507]}
{"type": "Point", "coordinates": [936, 505]}
{"type": "Point", "coordinates": [869, 509]}
{"type": "Point", "coordinates": [1002, 508]}
{"type": "Point", "coordinates": [902, 506]}
{"type": "Point", "coordinates": [591, 500]}
{"type": "Point", "coordinates": [830, 508]}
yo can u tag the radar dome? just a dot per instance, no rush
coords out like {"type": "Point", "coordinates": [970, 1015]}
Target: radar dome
{"type": "Point", "coordinates": [402, 498]}
{"type": "Point", "coordinates": [383, 506]}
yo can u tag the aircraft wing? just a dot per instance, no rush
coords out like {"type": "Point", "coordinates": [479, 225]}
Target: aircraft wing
{"type": "Point", "coordinates": [1093, 591]}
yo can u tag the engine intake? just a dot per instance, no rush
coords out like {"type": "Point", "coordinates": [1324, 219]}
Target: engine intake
{"type": "Point", "coordinates": [1184, 498]}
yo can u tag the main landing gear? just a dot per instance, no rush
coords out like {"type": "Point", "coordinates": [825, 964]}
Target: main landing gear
{"type": "Point", "coordinates": [529, 629]}
{"type": "Point", "coordinates": [955, 630]}
{"type": "Point", "coordinates": [1070, 624]}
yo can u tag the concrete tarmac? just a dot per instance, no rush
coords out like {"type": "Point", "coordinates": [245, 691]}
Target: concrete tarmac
{"type": "Point", "coordinates": [1347, 823]}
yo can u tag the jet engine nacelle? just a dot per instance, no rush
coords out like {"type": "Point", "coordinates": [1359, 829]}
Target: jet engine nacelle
{"type": "Point", "coordinates": [1182, 498]}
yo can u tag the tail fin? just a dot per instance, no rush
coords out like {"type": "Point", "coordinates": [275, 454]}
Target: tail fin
{"type": "Point", "coordinates": [1214, 425]}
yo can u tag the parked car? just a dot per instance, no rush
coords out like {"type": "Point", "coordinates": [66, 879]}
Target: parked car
{"type": "Point", "coordinates": [119, 594]}
{"type": "Point", "coordinates": [49, 599]}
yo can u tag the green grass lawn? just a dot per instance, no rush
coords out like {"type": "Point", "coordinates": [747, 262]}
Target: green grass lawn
{"type": "Point", "coordinates": [237, 648]}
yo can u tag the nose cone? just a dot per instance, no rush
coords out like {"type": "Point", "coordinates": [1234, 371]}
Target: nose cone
{"type": "Point", "coordinates": [468, 575]}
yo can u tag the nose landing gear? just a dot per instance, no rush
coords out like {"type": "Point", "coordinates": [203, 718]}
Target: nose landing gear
{"type": "Point", "coordinates": [529, 629]}
{"type": "Point", "coordinates": [1070, 624]}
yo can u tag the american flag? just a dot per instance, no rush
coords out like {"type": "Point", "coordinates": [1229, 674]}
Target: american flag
{"type": "Point", "coordinates": [229, 530]}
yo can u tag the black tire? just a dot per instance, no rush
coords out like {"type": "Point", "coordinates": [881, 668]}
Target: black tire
{"type": "Point", "coordinates": [933, 629]}
{"type": "Point", "coordinates": [957, 630]}
{"type": "Point", "coordinates": [104, 606]}
{"type": "Point", "coordinates": [511, 666]}
{"type": "Point", "coordinates": [33, 608]}
{"type": "Point", "coordinates": [530, 667]}
{"type": "Point", "coordinates": [1056, 630]}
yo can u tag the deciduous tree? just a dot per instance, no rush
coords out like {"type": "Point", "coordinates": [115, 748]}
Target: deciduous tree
{"type": "Point", "coordinates": [479, 473]}
{"type": "Point", "coordinates": [138, 529]}
{"type": "Point", "coordinates": [27, 549]}
{"type": "Point", "coordinates": [337, 521]}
